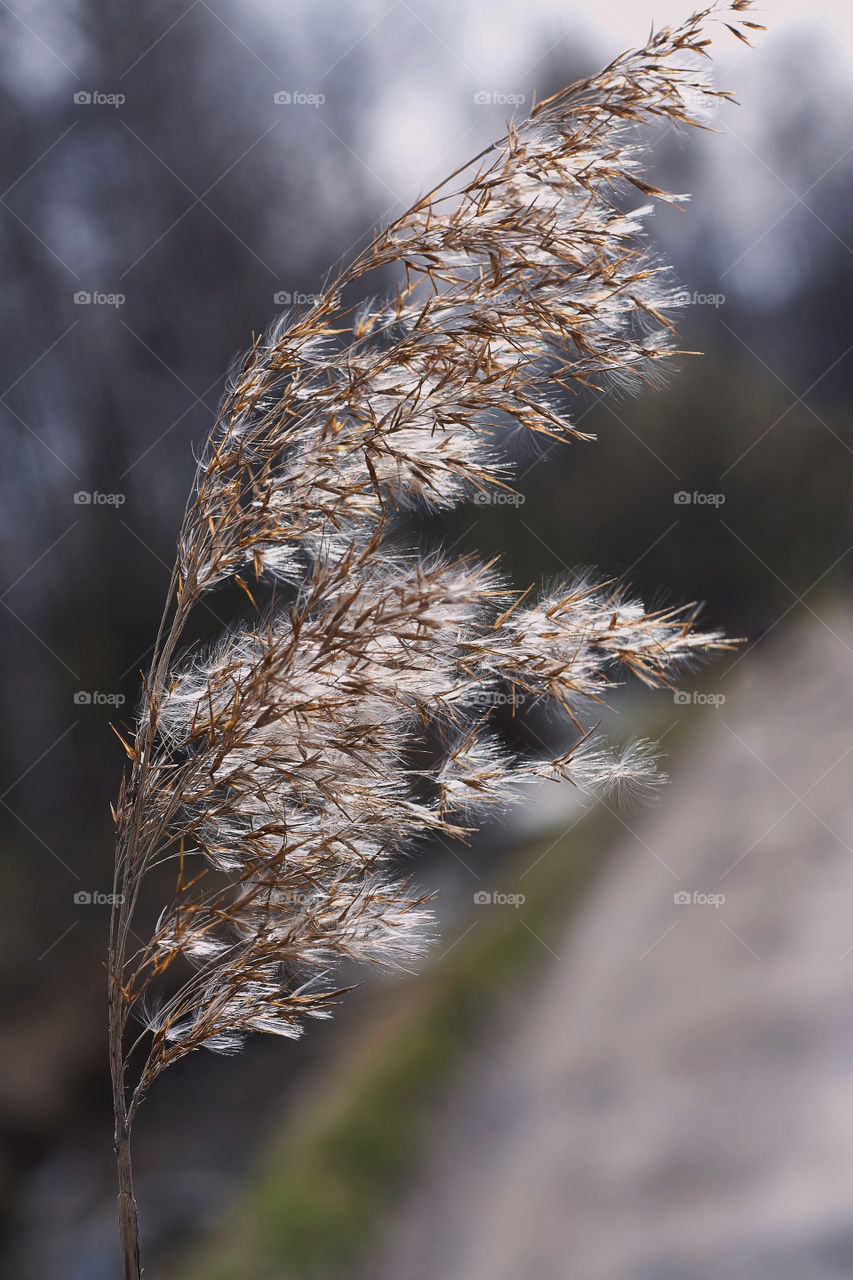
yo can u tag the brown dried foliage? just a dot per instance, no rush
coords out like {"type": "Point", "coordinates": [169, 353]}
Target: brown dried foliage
{"type": "Point", "coordinates": [275, 769]}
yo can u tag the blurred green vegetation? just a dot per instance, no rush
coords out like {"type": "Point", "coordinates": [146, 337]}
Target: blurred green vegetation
{"type": "Point", "coordinates": [329, 1183]}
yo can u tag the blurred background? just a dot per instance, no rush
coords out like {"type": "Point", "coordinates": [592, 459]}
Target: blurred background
{"type": "Point", "coordinates": [629, 1057]}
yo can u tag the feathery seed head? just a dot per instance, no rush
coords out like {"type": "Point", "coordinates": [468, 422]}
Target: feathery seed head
{"type": "Point", "coordinates": [276, 769]}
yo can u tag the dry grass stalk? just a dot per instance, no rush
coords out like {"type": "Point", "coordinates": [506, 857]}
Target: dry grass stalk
{"type": "Point", "coordinates": [275, 770]}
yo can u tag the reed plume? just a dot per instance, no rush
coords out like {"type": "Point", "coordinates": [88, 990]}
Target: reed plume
{"type": "Point", "coordinates": [278, 769]}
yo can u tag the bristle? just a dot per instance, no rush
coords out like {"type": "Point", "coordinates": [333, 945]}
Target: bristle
{"type": "Point", "coordinates": [276, 768]}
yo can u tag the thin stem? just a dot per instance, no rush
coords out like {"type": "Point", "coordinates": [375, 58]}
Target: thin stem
{"type": "Point", "coordinates": [127, 878]}
{"type": "Point", "coordinates": [128, 1216]}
